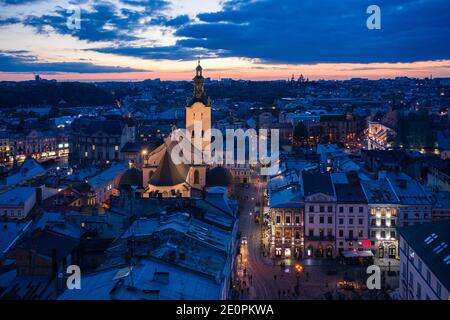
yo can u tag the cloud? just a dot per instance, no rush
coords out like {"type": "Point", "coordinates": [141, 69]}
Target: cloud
{"type": "Point", "coordinates": [159, 53]}
{"type": "Point", "coordinates": [313, 31]}
{"type": "Point", "coordinates": [103, 21]}
{"type": "Point", "coordinates": [8, 21]}
{"type": "Point", "coordinates": [273, 31]}
{"type": "Point", "coordinates": [18, 2]}
{"type": "Point", "coordinates": [178, 21]}
{"type": "Point", "coordinates": [21, 61]}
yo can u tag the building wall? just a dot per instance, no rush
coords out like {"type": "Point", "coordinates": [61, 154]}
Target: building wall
{"type": "Point", "coordinates": [438, 181]}
{"type": "Point", "coordinates": [94, 148]}
{"type": "Point", "coordinates": [378, 136]}
{"type": "Point", "coordinates": [410, 215]}
{"type": "Point", "coordinates": [287, 237]}
{"type": "Point", "coordinates": [103, 192]}
{"type": "Point", "coordinates": [382, 229]}
{"type": "Point", "coordinates": [38, 145]}
{"type": "Point", "coordinates": [320, 226]}
{"type": "Point", "coordinates": [19, 211]}
{"type": "Point", "coordinates": [440, 213]}
{"type": "Point", "coordinates": [352, 226]}
{"type": "Point", "coordinates": [98, 148]}
{"type": "Point", "coordinates": [417, 282]}
{"type": "Point", "coordinates": [198, 112]}
{"type": "Point", "coordinates": [5, 150]}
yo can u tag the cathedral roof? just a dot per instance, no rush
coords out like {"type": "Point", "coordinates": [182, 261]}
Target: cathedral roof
{"type": "Point", "coordinates": [131, 177]}
{"type": "Point", "coordinates": [168, 173]}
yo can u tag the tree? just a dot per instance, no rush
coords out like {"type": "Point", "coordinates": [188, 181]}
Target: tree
{"type": "Point", "coordinates": [300, 133]}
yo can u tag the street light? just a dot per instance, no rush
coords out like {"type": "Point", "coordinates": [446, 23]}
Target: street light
{"type": "Point", "coordinates": [298, 269]}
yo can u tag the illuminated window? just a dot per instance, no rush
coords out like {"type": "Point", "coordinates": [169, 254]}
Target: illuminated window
{"type": "Point", "coordinates": [116, 148]}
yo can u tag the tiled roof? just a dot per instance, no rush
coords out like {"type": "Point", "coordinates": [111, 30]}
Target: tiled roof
{"type": "Point", "coordinates": [168, 173]}
{"type": "Point", "coordinates": [350, 193]}
{"type": "Point", "coordinates": [317, 183]}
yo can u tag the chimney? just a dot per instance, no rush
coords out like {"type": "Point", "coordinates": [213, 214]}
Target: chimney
{"type": "Point", "coordinates": [39, 195]}
{"type": "Point", "coordinates": [403, 183]}
{"type": "Point", "coordinates": [381, 175]}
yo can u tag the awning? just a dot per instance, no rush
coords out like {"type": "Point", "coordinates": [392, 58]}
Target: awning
{"type": "Point", "coordinates": [357, 254]}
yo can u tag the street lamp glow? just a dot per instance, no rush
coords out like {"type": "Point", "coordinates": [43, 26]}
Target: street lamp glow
{"type": "Point", "coordinates": [298, 267]}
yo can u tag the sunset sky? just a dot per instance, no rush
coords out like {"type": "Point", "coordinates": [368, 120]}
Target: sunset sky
{"type": "Point", "coordinates": [241, 39]}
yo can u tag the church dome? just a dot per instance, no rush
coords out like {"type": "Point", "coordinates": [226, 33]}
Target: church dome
{"type": "Point", "coordinates": [218, 177]}
{"type": "Point", "coordinates": [131, 177]}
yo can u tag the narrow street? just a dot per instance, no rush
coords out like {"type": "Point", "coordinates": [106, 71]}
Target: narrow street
{"type": "Point", "coordinates": [261, 277]}
{"type": "Point", "coordinates": [261, 285]}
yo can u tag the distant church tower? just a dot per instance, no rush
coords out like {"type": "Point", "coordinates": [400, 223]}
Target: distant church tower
{"type": "Point", "coordinates": [198, 109]}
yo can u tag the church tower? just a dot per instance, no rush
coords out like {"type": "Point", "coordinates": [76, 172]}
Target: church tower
{"type": "Point", "coordinates": [198, 110]}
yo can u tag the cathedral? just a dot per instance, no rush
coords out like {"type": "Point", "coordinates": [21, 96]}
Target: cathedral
{"type": "Point", "coordinates": [161, 176]}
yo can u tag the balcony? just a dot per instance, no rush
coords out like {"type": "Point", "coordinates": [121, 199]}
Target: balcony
{"type": "Point", "coordinates": [320, 238]}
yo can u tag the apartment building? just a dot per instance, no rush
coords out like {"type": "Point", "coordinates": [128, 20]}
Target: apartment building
{"type": "Point", "coordinates": [425, 261]}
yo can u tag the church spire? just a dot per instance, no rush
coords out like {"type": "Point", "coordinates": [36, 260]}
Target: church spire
{"type": "Point", "coordinates": [199, 81]}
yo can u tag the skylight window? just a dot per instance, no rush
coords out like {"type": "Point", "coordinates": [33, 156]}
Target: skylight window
{"type": "Point", "coordinates": [440, 247]}
{"type": "Point", "coordinates": [447, 259]}
{"type": "Point", "coordinates": [431, 238]}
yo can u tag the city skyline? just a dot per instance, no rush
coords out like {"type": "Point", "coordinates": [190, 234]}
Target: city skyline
{"type": "Point", "coordinates": [132, 40]}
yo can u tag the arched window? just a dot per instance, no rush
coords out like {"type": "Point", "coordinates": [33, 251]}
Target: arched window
{"type": "Point", "coordinates": [196, 177]}
{"type": "Point", "coordinates": [193, 133]}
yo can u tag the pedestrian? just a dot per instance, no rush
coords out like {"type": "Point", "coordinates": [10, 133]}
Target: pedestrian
{"type": "Point", "coordinates": [279, 294]}
{"type": "Point", "coordinates": [275, 277]}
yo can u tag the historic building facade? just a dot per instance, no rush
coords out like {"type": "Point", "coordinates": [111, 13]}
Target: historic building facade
{"type": "Point", "coordinates": [320, 208]}
{"type": "Point", "coordinates": [95, 141]}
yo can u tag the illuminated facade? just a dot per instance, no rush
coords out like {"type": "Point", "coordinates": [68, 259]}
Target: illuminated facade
{"type": "Point", "coordinates": [39, 145]}
{"type": "Point", "coordinates": [5, 148]}
{"type": "Point", "coordinates": [379, 136]}
{"type": "Point", "coordinates": [383, 219]}
{"type": "Point", "coordinates": [287, 231]}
